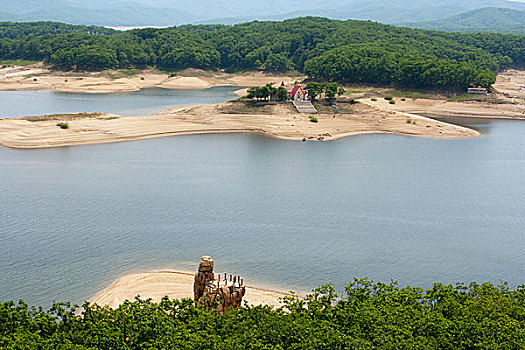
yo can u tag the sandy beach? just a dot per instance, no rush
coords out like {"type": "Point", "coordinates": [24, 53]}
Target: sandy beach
{"type": "Point", "coordinates": [38, 77]}
{"type": "Point", "coordinates": [278, 120]}
{"type": "Point", "coordinates": [174, 284]}
{"type": "Point", "coordinates": [506, 102]}
{"type": "Point", "coordinates": [373, 114]}
{"type": "Point", "coordinates": [434, 108]}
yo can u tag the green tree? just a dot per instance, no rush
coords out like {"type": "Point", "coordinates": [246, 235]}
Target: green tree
{"type": "Point", "coordinates": [272, 91]}
{"type": "Point", "coordinates": [331, 90]}
{"type": "Point", "coordinates": [314, 89]}
{"type": "Point", "coordinates": [278, 62]}
{"type": "Point", "coordinates": [282, 94]}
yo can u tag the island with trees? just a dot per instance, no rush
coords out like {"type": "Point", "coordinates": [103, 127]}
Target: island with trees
{"type": "Point", "coordinates": [325, 50]}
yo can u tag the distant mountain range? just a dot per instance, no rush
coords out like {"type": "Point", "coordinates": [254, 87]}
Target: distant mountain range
{"type": "Point", "coordinates": [490, 19]}
{"type": "Point", "coordinates": [176, 12]}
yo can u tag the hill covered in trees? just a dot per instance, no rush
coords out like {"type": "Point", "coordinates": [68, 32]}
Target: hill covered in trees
{"type": "Point", "coordinates": [485, 20]}
{"type": "Point", "coordinates": [330, 50]}
{"type": "Point", "coordinates": [15, 30]}
{"type": "Point", "coordinates": [370, 316]}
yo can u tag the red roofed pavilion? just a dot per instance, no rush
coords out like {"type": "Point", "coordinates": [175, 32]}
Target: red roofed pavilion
{"type": "Point", "coordinates": [297, 93]}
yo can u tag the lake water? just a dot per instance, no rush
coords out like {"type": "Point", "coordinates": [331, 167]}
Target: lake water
{"type": "Point", "coordinates": [143, 102]}
{"type": "Point", "coordinates": [279, 213]}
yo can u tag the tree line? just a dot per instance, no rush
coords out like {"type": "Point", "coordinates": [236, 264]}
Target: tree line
{"type": "Point", "coordinates": [15, 30]}
{"type": "Point", "coordinates": [315, 89]}
{"type": "Point", "coordinates": [327, 50]}
{"type": "Point", "coordinates": [370, 316]}
{"type": "Point", "coordinates": [330, 90]}
{"type": "Point", "coordinates": [268, 92]}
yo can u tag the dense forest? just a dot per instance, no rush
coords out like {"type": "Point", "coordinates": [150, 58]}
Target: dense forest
{"type": "Point", "coordinates": [370, 316]}
{"type": "Point", "coordinates": [343, 51]}
{"type": "Point", "coordinates": [15, 30]}
{"type": "Point", "coordinates": [483, 20]}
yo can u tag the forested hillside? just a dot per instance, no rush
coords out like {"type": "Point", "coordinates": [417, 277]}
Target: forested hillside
{"type": "Point", "coordinates": [344, 51]}
{"type": "Point", "coordinates": [15, 30]}
{"type": "Point", "coordinates": [485, 20]}
{"type": "Point", "coordinates": [370, 316]}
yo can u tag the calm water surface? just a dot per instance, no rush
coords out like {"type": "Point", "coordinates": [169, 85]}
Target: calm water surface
{"type": "Point", "coordinates": [280, 213]}
{"type": "Point", "coordinates": [143, 102]}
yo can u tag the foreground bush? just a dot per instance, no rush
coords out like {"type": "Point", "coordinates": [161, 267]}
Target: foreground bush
{"type": "Point", "coordinates": [369, 316]}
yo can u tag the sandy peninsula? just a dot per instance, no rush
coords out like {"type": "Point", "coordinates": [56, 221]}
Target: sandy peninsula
{"type": "Point", "coordinates": [280, 120]}
{"type": "Point", "coordinates": [39, 77]}
{"type": "Point", "coordinates": [175, 285]}
{"type": "Point", "coordinates": [442, 108]}
{"type": "Point", "coordinates": [372, 114]}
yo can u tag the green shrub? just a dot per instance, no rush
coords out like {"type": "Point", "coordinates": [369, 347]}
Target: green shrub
{"type": "Point", "coordinates": [374, 99]}
{"type": "Point", "coordinates": [368, 316]}
{"type": "Point", "coordinates": [313, 119]}
{"type": "Point", "coordinates": [63, 125]}
{"type": "Point", "coordinates": [392, 102]}
{"type": "Point", "coordinates": [409, 121]}
{"type": "Point", "coordinates": [352, 101]}
{"type": "Point", "coordinates": [403, 99]}
{"type": "Point", "coordinates": [389, 97]}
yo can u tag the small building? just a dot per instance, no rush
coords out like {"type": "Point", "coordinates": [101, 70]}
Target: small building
{"type": "Point", "coordinates": [477, 91]}
{"type": "Point", "coordinates": [298, 94]}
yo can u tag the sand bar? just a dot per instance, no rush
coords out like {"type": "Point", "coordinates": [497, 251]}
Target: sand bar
{"type": "Point", "coordinates": [499, 109]}
{"type": "Point", "coordinates": [38, 77]}
{"type": "Point", "coordinates": [175, 285]}
{"type": "Point", "coordinates": [279, 120]}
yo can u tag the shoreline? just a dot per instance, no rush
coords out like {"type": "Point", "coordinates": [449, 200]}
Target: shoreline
{"type": "Point", "coordinates": [371, 115]}
{"type": "Point", "coordinates": [436, 116]}
{"type": "Point", "coordinates": [279, 120]}
{"type": "Point", "coordinates": [38, 77]}
{"type": "Point", "coordinates": [502, 108]}
{"type": "Point", "coordinates": [174, 284]}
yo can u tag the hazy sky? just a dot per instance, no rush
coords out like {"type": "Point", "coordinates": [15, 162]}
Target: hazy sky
{"type": "Point", "coordinates": [177, 12]}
